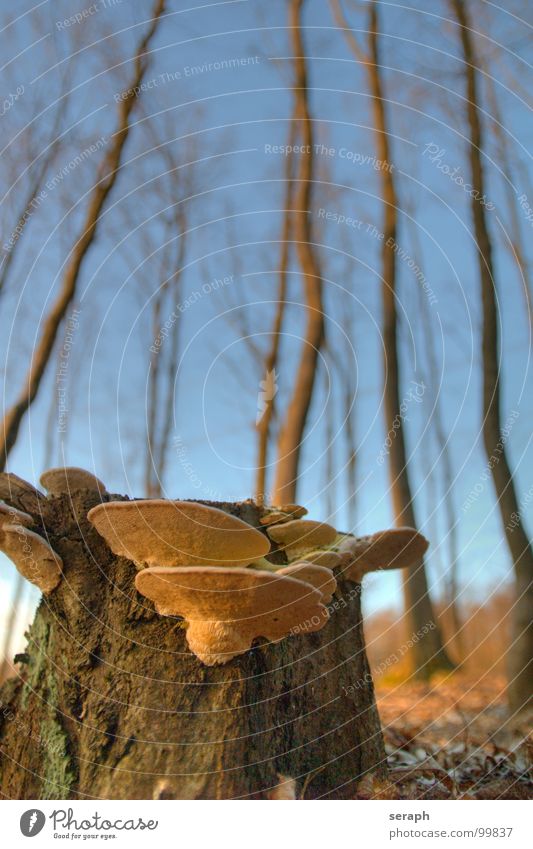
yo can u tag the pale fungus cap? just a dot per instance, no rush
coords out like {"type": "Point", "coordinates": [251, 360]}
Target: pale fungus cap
{"type": "Point", "coordinates": [274, 518]}
{"type": "Point", "coordinates": [228, 608]}
{"type": "Point", "coordinates": [177, 533]}
{"type": "Point", "coordinates": [11, 486]}
{"type": "Point", "coordinates": [70, 479]}
{"type": "Point", "coordinates": [12, 516]}
{"type": "Point", "coordinates": [329, 559]}
{"type": "Point", "coordinates": [284, 513]}
{"type": "Point", "coordinates": [296, 511]}
{"type": "Point", "coordinates": [34, 558]}
{"type": "Point", "coordinates": [300, 535]}
{"type": "Point", "coordinates": [398, 548]}
{"type": "Point", "coordinates": [319, 577]}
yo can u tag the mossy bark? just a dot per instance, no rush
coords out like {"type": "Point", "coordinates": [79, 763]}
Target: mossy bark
{"type": "Point", "coordinates": [109, 703]}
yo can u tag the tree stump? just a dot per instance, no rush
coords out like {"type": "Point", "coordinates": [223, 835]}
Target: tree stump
{"type": "Point", "coordinates": [109, 703]}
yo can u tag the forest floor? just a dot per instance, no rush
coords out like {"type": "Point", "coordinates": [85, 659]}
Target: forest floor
{"type": "Point", "coordinates": [452, 739]}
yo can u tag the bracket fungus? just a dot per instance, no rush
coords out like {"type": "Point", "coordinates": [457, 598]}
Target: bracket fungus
{"type": "Point", "coordinates": [329, 559]}
{"type": "Point", "coordinates": [177, 533]}
{"type": "Point", "coordinates": [274, 518]}
{"type": "Point", "coordinates": [299, 535]}
{"type": "Point", "coordinates": [12, 486]}
{"type": "Point", "coordinates": [295, 511]}
{"type": "Point", "coordinates": [398, 548]}
{"type": "Point", "coordinates": [69, 479]}
{"type": "Point", "coordinates": [228, 608]}
{"type": "Point", "coordinates": [12, 516]}
{"type": "Point", "coordinates": [319, 577]}
{"type": "Point", "coordinates": [284, 513]}
{"type": "Point", "coordinates": [19, 492]}
{"type": "Point", "coordinates": [34, 558]}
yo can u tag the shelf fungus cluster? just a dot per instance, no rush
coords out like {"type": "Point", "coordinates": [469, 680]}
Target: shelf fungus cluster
{"type": "Point", "coordinates": [210, 568]}
{"type": "Point", "coordinates": [32, 555]}
{"type": "Point", "coordinates": [230, 582]}
{"type": "Point", "coordinates": [399, 548]}
{"type": "Point", "coordinates": [70, 479]}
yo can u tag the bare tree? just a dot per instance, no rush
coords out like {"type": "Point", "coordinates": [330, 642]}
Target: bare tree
{"type": "Point", "coordinates": [329, 483]}
{"type": "Point", "coordinates": [272, 356]}
{"type": "Point", "coordinates": [521, 651]}
{"type": "Point", "coordinates": [428, 654]}
{"type": "Point", "coordinates": [348, 380]}
{"type": "Point", "coordinates": [513, 240]}
{"type": "Point", "coordinates": [344, 378]}
{"type": "Point", "coordinates": [293, 426]}
{"type": "Point", "coordinates": [109, 171]}
{"type": "Point", "coordinates": [340, 352]}
{"type": "Point", "coordinates": [431, 379]}
{"type": "Point", "coordinates": [38, 170]}
{"type": "Point", "coordinates": [161, 386]}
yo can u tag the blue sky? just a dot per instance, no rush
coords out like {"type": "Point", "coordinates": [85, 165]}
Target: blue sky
{"type": "Point", "coordinates": [219, 124]}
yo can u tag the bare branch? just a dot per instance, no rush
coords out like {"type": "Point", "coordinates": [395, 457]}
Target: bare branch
{"type": "Point", "coordinates": [109, 172]}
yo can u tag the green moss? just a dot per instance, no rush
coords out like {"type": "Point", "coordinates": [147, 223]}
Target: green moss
{"type": "Point", "coordinates": [59, 771]}
{"type": "Point", "coordinates": [38, 650]}
{"type": "Point", "coordinates": [57, 767]}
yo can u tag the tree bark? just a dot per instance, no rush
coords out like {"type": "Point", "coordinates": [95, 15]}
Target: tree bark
{"type": "Point", "coordinates": [293, 428]}
{"type": "Point", "coordinates": [428, 654]}
{"type": "Point", "coordinates": [109, 702]}
{"type": "Point", "coordinates": [521, 650]}
{"type": "Point", "coordinates": [110, 168]}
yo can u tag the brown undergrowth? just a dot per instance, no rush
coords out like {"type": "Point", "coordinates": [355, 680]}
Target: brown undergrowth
{"type": "Point", "coordinates": [452, 739]}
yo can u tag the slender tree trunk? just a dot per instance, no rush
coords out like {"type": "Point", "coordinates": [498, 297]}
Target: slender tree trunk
{"type": "Point", "coordinates": [172, 360]}
{"type": "Point", "coordinates": [168, 408]}
{"type": "Point", "coordinates": [514, 239]}
{"type": "Point", "coordinates": [109, 702]}
{"type": "Point", "coordinates": [351, 461]}
{"type": "Point", "coordinates": [444, 456]}
{"type": "Point", "coordinates": [350, 435]}
{"type": "Point", "coordinates": [345, 376]}
{"type": "Point", "coordinates": [163, 362]}
{"type": "Point", "coordinates": [330, 484]}
{"type": "Point", "coordinates": [293, 427]}
{"type": "Point", "coordinates": [272, 357]}
{"type": "Point", "coordinates": [521, 651]}
{"type": "Point", "coordinates": [151, 481]}
{"type": "Point", "coordinates": [109, 172]}
{"type": "Point", "coordinates": [428, 654]}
